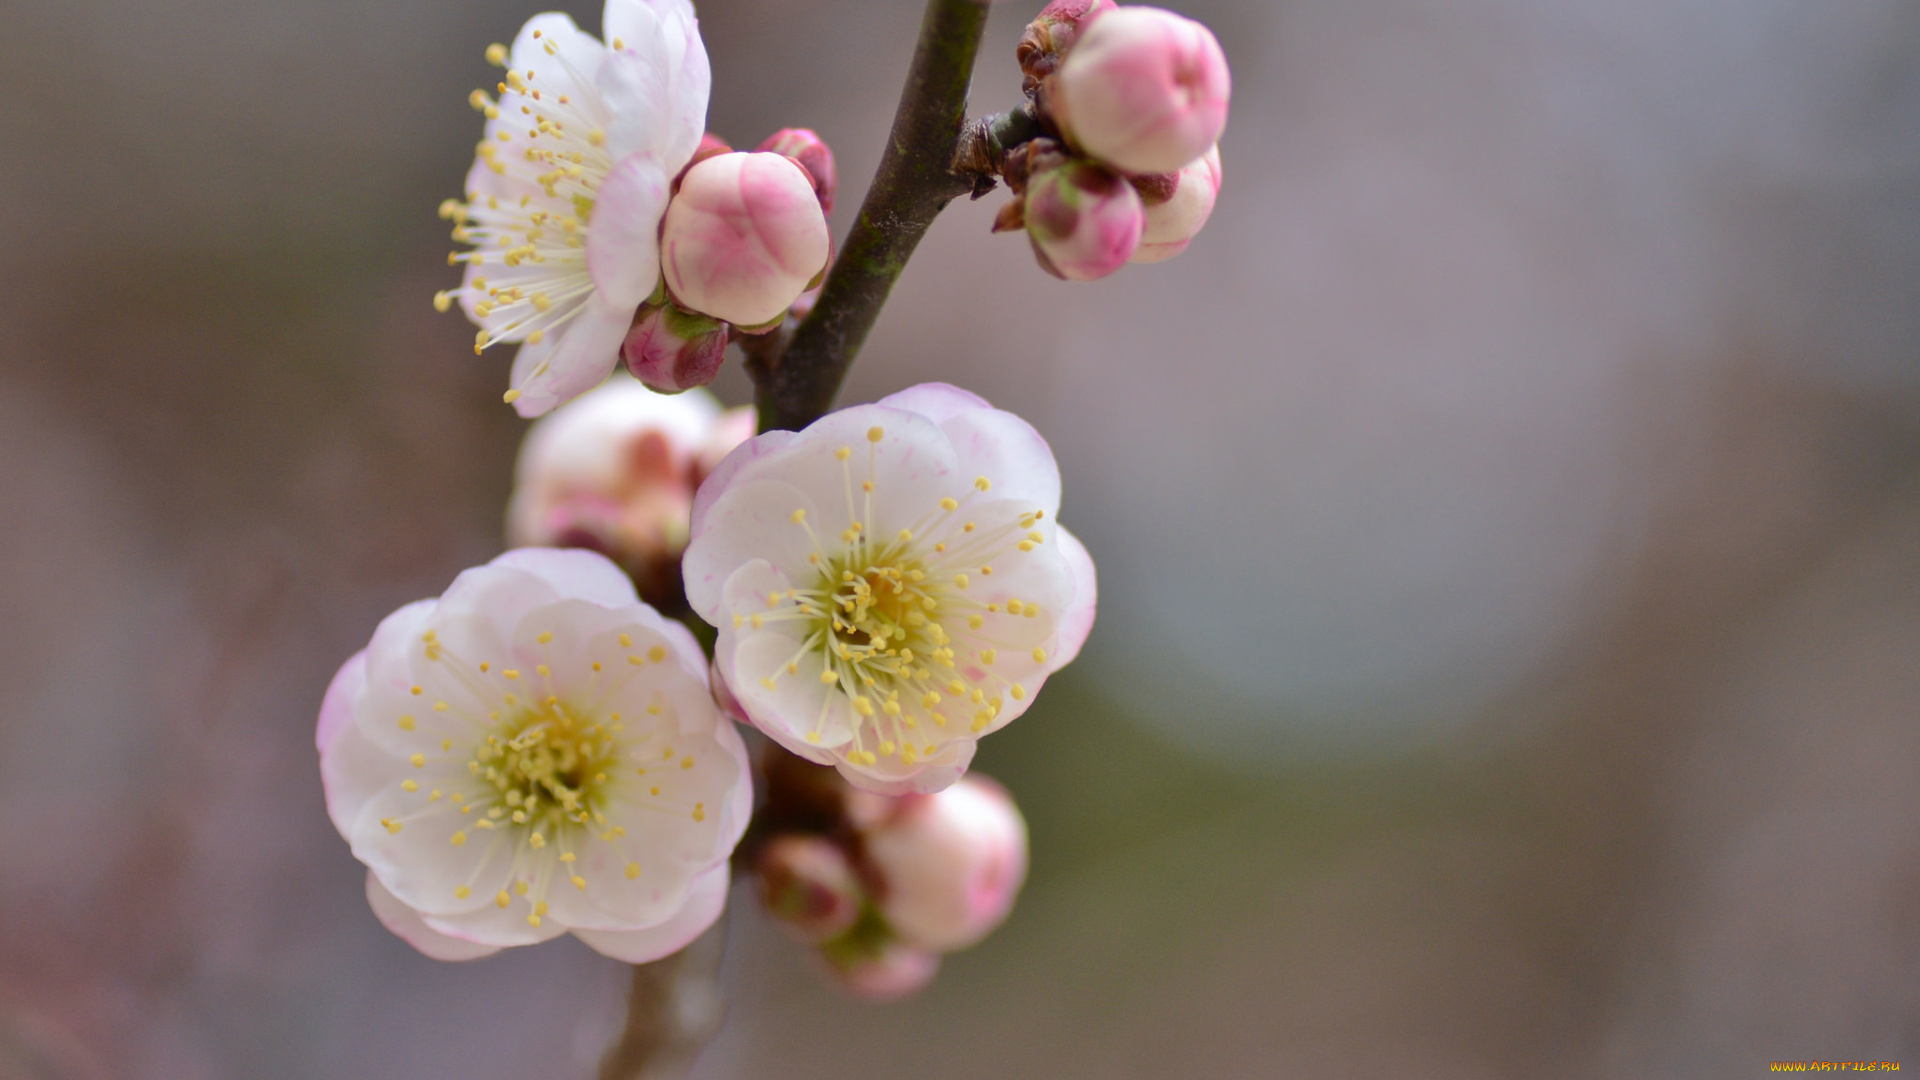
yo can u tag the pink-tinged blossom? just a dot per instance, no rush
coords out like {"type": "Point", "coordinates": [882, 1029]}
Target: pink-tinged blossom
{"type": "Point", "coordinates": [1179, 210]}
{"type": "Point", "coordinates": [615, 472]}
{"type": "Point", "coordinates": [744, 238]}
{"type": "Point", "coordinates": [1143, 90]}
{"type": "Point", "coordinates": [890, 584]}
{"type": "Point", "coordinates": [949, 865]}
{"type": "Point", "coordinates": [670, 349]}
{"type": "Point", "coordinates": [809, 151]}
{"type": "Point", "coordinates": [565, 199]}
{"type": "Point", "coordinates": [1085, 220]}
{"type": "Point", "coordinates": [535, 753]}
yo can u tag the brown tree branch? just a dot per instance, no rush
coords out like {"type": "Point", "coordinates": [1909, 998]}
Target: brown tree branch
{"type": "Point", "coordinates": [672, 1010]}
{"type": "Point", "coordinates": [916, 180]}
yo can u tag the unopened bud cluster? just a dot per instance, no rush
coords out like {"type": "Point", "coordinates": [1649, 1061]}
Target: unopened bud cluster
{"type": "Point", "coordinates": [882, 887]}
{"type": "Point", "coordinates": [1133, 101]}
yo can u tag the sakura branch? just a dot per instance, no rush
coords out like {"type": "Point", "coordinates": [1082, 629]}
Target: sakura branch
{"type": "Point", "coordinates": [539, 751]}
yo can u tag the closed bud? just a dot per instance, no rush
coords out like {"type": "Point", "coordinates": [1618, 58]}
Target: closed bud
{"type": "Point", "coordinates": [744, 238]}
{"type": "Point", "coordinates": [1085, 221]}
{"type": "Point", "coordinates": [809, 887]}
{"type": "Point", "coordinates": [671, 349]}
{"type": "Point", "coordinates": [1144, 90]}
{"type": "Point", "coordinates": [1177, 207]}
{"type": "Point", "coordinates": [1051, 33]}
{"type": "Point", "coordinates": [882, 970]}
{"type": "Point", "coordinates": [809, 151]}
{"type": "Point", "coordinates": [711, 145]}
{"type": "Point", "coordinates": [947, 866]}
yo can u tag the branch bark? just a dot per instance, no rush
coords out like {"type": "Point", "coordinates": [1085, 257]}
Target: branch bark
{"type": "Point", "coordinates": [916, 180]}
{"type": "Point", "coordinates": [673, 1008]}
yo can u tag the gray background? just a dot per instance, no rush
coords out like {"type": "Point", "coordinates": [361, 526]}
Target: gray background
{"type": "Point", "coordinates": [1508, 515]}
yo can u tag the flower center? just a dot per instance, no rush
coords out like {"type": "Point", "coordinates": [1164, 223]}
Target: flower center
{"type": "Point", "coordinates": [546, 765]}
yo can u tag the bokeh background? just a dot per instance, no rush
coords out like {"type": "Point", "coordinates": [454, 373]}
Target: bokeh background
{"type": "Point", "coordinates": [1508, 516]}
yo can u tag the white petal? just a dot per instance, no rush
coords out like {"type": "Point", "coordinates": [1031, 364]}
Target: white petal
{"type": "Point", "coordinates": [1077, 623]}
{"type": "Point", "coordinates": [352, 769]}
{"type": "Point", "coordinates": [705, 901]}
{"type": "Point", "coordinates": [574, 574]}
{"type": "Point", "coordinates": [753, 520]}
{"type": "Point", "coordinates": [1008, 452]}
{"type": "Point", "coordinates": [491, 924]}
{"type": "Point", "coordinates": [571, 67]}
{"type": "Point", "coordinates": [745, 458]}
{"type": "Point", "coordinates": [890, 778]}
{"type": "Point", "coordinates": [420, 864]}
{"type": "Point", "coordinates": [407, 925]}
{"type": "Point", "coordinates": [572, 360]}
{"type": "Point", "coordinates": [937, 401]}
{"type": "Point", "coordinates": [636, 83]}
{"type": "Point", "coordinates": [623, 244]}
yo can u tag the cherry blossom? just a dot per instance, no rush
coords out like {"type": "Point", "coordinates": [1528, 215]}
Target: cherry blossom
{"type": "Point", "coordinates": [534, 753]}
{"type": "Point", "coordinates": [890, 584]}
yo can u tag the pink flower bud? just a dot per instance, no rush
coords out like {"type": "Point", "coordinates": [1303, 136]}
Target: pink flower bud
{"type": "Point", "coordinates": [809, 887]}
{"type": "Point", "coordinates": [1177, 211]}
{"type": "Point", "coordinates": [1143, 90]}
{"type": "Point", "coordinates": [744, 238]}
{"type": "Point", "coordinates": [711, 145]}
{"type": "Point", "coordinates": [810, 152]}
{"type": "Point", "coordinates": [883, 971]}
{"type": "Point", "coordinates": [947, 866]}
{"type": "Point", "coordinates": [1051, 33]}
{"type": "Point", "coordinates": [671, 349]}
{"type": "Point", "coordinates": [1085, 221]}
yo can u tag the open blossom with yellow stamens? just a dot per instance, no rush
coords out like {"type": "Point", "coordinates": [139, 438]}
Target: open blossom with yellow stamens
{"type": "Point", "coordinates": [564, 202]}
{"type": "Point", "coordinates": [890, 584]}
{"type": "Point", "coordinates": [535, 752]}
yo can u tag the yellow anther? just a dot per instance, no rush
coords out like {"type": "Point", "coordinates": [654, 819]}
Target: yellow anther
{"type": "Point", "coordinates": [982, 484]}
{"type": "Point", "coordinates": [657, 654]}
{"type": "Point", "coordinates": [875, 434]}
{"type": "Point", "coordinates": [949, 505]}
{"type": "Point", "coordinates": [699, 811]}
{"type": "Point", "coordinates": [392, 825]}
{"type": "Point", "coordinates": [813, 736]}
{"type": "Point", "coordinates": [458, 838]}
{"type": "Point", "coordinates": [419, 761]}
{"type": "Point", "coordinates": [409, 786]}
{"type": "Point", "coordinates": [520, 888]}
{"type": "Point", "coordinates": [975, 622]}
{"type": "Point", "coordinates": [1014, 606]}
{"type": "Point", "coordinates": [988, 657]}
{"type": "Point", "coordinates": [461, 892]}
{"type": "Point", "coordinates": [1025, 545]}
{"type": "Point", "coordinates": [886, 749]}
{"type": "Point", "coordinates": [418, 690]}
{"type": "Point", "coordinates": [497, 56]}
{"type": "Point", "coordinates": [686, 763]}
{"type": "Point", "coordinates": [1019, 692]}
{"type": "Point", "coordinates": [510, 673]}
{"type": "Point", "coordinates": [501, 899]}
{"type": "Point", "coordinates": [442, 301]}
{"type": "Point", "coordinates": [541, 670]}
{"type": "Point", "coordinates": [406, 723]}
{"type": "Point", "coordinates": [906, 535]}
{"type": "Point", "coordinates": [579, 882]}
{"type": "Point", "coordinates": [843, 453]}
{"type": "Point", "coordinates": [626, 641]}
{"type": "Point", "coordinates": [510, 396]}
{"type": "Point", "coordinates": [1039, 656]}
{"type": "Point", "coordinates": [545, 637]}
{"type": "Point", "coordinates": [799, 516]}
{"type": "Point", "coordinates": [633, 870]}
{"type": "Point", "coordinates": [533, 920]}
{"type": "Point", "coordinates": [568, 857]}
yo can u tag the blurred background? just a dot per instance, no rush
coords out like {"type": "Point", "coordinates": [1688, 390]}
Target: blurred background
{"type": "Point", "coordinates": [1508, 516]}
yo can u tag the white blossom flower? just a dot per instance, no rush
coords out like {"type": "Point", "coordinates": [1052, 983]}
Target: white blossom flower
{"type": "Point", "coordinates": [890, 584]}
{"type": "Point", "coordinates": [565, 199]}
{"type": "Point", "coordinates": [535, 752]}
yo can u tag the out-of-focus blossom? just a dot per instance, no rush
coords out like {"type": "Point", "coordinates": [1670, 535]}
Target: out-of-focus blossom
{"type": "Point", "coordinates": [671, 349]}
{"type": "Point", "coordinates": [949, 865]}
{"type": "Point", "coordinates": [533, 753]}
{"type": "Point", "coordinates": [1051, 33]}
{"type": "Point", "coordinates": [891, 583]}
{"type": "Point", "coordinates": [564, 201]}
{"type": "Point", "coordinates": [615, 472]}
{"type": "Point", "coordinates": [809, 151]}
{"type": "Point", "coordinates": [1084, 219]}
{"type": "Point", "coordinates": [744, 238]}
{"type": "Point", "coordinates": [881, 968]}
{"type": "Point", "coordinates": [1143, 90]}
{"type": "Point", "coordinates": [1177, 208]}
{"type": "Point", "coordinates": [809, 886]}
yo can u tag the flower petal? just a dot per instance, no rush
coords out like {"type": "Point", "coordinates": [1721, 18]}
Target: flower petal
{"type": "Point", "coordinates": [1077, 623]}
{"type": "Point", "coordinates": [574, 574]}
{"type": "Point", "coordinates": [623, 243]}
{"type": "Point", "coordinates": [409, 927]}
{"type": "Point", "coordinates": [570, 361]}
{"type": "Point", "coordinates": [706, 899]}
{"type": "Point", "coordinates": [666, 37]}
{"type": "Point", "coordinates": [352, 769]}
{"type": "Point", "coordinates": [753, 520]}
{"type": "Point", "coordinates": [1008, 452]}
{"type": "Point", "coordinates": [746, 457]}
{"type": "Point", "coordinates": [937, 401]}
